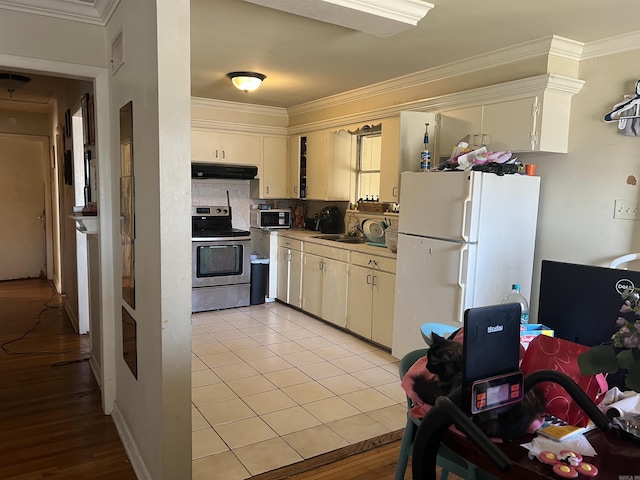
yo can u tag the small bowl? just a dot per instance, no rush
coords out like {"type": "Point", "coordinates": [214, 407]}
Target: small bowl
{"type": "Point", "coordinates": [391, 238]}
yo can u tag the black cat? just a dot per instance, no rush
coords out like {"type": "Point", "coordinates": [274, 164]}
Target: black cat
{"type": "Point", "coordinates": [444, 360]}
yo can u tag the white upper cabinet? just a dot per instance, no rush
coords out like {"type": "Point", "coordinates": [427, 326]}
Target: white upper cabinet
{"type": "Point", "coordinates": [328, 166]}
{"type": "Point", "coordinates": [531, 115]}
{"type": "Point", "coordinates": [402, 142]}
{"type": "Point", "coordinates": [509, 125]}
{"type": "Point", "coordinates": [225, 147]}
{"type": "Point", "coordinates": [272, 172]}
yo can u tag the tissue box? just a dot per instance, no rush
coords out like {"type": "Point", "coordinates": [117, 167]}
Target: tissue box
{"type": "Point", "coordinates": [529, 331]}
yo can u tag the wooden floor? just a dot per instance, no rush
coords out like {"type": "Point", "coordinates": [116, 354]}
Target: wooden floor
{"type": "Point", "coordinates": [378, 463]}
{"type": "Point", "coordinates": [51, 419]}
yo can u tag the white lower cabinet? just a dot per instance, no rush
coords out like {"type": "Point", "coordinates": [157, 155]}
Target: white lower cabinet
{"type": "Point", "coordinates": [371, 296]}
{"type": "Point", "coordinates": [289, 289]}
{"type": "Point", "coordinates": [324, 286]}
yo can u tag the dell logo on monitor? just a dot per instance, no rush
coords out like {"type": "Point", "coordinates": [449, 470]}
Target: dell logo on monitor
{"type": "Point", "coordinates": [624, 284]}
{"type": "Point", "coordinates": [497, 328]}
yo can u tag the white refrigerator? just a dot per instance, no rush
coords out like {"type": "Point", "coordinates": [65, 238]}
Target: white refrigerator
{"type": "Point", "coordinates": [464, 239]}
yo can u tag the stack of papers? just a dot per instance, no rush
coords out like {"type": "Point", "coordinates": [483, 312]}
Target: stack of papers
{"type": "Point", "coordinates": [559, 432]}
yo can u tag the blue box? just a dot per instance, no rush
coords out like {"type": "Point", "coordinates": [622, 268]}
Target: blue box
{"type": "Point", "coordinates": [531, 330]}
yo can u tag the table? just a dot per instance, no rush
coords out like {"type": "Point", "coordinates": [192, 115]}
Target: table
{"type": "Point", "coordinates": [618, 458]}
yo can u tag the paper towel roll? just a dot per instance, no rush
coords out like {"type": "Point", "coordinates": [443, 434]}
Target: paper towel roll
{"type": "Point", "coordinates": [625, 407]}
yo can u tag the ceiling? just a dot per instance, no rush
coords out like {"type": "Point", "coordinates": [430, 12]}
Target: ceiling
{"type": "Point", "coordinates": [306, 59]}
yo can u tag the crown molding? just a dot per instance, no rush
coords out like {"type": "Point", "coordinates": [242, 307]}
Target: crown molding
{"type": "Point", "coordinates": [97, 12]}
{"type": "Point", "coordinates": [612, 45]}
{"type": "Point", "coordinates": [238, 107]}
{"type": "Point", "coordinates": [554, 45]}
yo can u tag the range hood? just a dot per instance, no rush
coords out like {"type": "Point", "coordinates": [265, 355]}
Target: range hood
{"type": "Point", "coordinates": [223, 170]}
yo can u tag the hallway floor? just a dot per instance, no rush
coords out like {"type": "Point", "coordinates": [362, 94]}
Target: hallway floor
{"type": "Point", "coordinates": [272, 386]}
{"type": "Point", "coordinates": [51, 413]}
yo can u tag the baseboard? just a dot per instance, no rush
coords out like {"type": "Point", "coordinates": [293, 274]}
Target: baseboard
{"type": "Point", "coordinates": [95, 368]}
{"type": "Point", "coordinates": [72, 316]}
{"type": "Point", "coordinates": [130, 445]}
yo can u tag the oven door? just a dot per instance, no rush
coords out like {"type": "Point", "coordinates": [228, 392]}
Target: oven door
{"type": "Point", "coordinates": [221, 262]}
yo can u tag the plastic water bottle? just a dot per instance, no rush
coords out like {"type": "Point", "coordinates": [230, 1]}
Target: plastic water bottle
{"type": "Point", "coordinates": [516, 297]}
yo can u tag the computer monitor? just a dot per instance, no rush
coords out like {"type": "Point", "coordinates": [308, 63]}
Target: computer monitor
{"type": "Point", "coordinates": [582, 302]}
{"type": "Point", "coordinates": [491, 356]}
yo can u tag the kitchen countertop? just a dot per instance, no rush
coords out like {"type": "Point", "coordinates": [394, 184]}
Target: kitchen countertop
{"type": "Point", "coordinates": [309, 236]}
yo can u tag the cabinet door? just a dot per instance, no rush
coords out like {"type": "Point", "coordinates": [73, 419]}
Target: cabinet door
{"type": "Point", "coordinates": [312, 273]}
{"type": "Point", "coordinates": [293, 167]}
{"type": "Point", "coordinates": [273, 172]}
{"type": "Point", "coordinates": [284, 262]}
{"type": "Point", "coordinates": [455, 125]}
{"type": "Point", "coordinates": [316, 165]}
{"type": "Point", "coordinates": [334, 292]}
{"type": "Point", "coordinates": [338, 166]}
{"type": "Point", "coordinates": [295, 279]}
{"type": "Point", "coordinates": [389, 161]}
{"type": "Point", "coordinates": [204, 146]}
{"type": "Point", "coordinates": [240, 149]}
{"type": "Point", "coordinates": [510, 125]}
{"type": "Point", "coordinates": [359, 320]}
{"type": "Point", "coordinates": [402, 142]}
{"type": "Point", "coordinates": [383, 298]}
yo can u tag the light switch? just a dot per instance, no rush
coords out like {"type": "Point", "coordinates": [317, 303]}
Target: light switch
{"type": "Point", "coordinates": [626, 209]}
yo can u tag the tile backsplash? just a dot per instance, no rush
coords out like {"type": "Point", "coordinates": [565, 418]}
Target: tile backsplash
{"type": "Point", "coordinates": [213, 192]}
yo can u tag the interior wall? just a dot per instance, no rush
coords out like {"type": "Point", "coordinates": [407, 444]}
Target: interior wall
{"type": "Point", "coordinates": [578, 189]}
{"type": "Point", "coordinates": [155, 408]}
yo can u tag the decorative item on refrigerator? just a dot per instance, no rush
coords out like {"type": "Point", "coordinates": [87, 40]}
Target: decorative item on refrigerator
{"type": "Point", "coordinates": [425, 154]}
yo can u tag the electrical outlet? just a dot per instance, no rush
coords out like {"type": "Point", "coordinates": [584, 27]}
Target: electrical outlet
{"type": "Point", "coordinates": [627, 209]}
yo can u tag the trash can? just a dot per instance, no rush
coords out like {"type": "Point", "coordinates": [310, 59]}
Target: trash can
{"type": "Point", "coordinates": [259, 279]}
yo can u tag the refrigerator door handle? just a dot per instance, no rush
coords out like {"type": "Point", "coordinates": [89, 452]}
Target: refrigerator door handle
{"type": "Point", "coordinates": [464, 252]}
{"type": "Point", "coordinates": [466, 204]}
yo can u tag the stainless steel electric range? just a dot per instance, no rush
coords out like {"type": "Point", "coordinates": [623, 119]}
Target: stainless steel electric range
{"type": "Point", "coordinates": [221, 265]}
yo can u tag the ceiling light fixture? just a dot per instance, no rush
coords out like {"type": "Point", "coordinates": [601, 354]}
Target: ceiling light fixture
{"type": "Point", "coordinates": [246, 81]}
{"type": "Point", "coordinates": [12, 81]}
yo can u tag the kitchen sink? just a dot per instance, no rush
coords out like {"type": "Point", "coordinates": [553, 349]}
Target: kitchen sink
{"type": "Point", "coordinates": [342, 238]}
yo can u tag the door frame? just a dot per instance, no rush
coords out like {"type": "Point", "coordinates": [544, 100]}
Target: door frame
{"type": "Point", "coordinates": [104, 368]}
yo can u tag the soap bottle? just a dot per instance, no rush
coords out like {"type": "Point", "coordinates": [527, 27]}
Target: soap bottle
{"type": "Point", "coordinates": [425, 154]}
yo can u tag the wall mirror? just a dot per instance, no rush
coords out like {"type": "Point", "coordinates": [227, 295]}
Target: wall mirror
{"type": "Point", "coordinates": [127, 204]}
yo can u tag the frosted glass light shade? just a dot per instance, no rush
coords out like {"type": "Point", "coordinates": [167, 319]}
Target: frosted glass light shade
{"type": "Point", "coordinates": [246, 81]}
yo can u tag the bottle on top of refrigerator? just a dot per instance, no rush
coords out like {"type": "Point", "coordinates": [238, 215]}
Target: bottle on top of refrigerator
{"type": "Point", "coordinates": [425, 154]}
{"type": "Point", "coordinates": [516, 297]}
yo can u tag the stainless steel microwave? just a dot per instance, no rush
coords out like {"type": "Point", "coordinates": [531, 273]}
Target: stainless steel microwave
{"type": "Point", "coordinates": [274, 218]}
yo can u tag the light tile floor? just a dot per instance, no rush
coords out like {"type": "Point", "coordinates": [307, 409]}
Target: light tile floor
{"type": "Point", "coordinates": [272, 386]}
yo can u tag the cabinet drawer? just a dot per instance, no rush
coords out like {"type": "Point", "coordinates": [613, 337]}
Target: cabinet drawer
{"type": "Point", "coordinates": [327, 252]}
{"type": "Point", "coordinates": [291, 243]}
{"type": "Point", "coordinates": [366, 260]}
